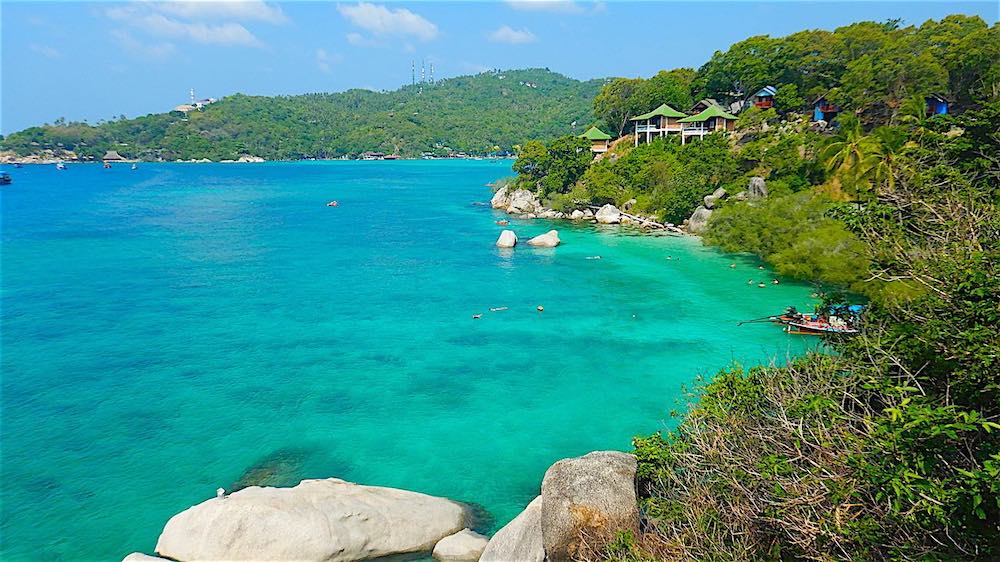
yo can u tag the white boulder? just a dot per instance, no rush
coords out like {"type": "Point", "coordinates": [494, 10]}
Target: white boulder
{"type": "Point", "coordinates": [548, 240]}
{"type": "Point", "coordinates": [520, 540]}
{"type": "Point", "coordinates": [608, 214]}
{"type": "Point", "coordinates": [588, 214]}
{"type": "Point", "coordinates": [507, 239]}
{"type": "Point", "coordinates": [757, 188]}
{"type": "Point", "coordinates": [317, 520]}
{"type": "Point", "coordinates": [523, 201]}
{"type": "Point", "coordinates": [714, 197]}
{"type": "Point", "coordinates": [589, 496]}
{"type": "Point", "coordinates": [463, 546]}
{"type": "Point", "coordinates": [140, 557]}
{"type": "Point", "coordinates": [501, 199]}
{"type": "Point", "coordinates": [576, 215]}
{"type": "Point", "coordinates": [698, 222]}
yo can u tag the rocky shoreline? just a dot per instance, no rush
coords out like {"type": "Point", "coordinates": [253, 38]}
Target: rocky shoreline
{"type": "Point", "coordinates": [581, 500]}
{"type": "Point", "coordinates": [524, 204]}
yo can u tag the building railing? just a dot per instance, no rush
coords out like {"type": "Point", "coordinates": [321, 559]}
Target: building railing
{"type": "Point", "coordinates": [696, 129]}
{"type": "Point", "coordinates": [655, 129]}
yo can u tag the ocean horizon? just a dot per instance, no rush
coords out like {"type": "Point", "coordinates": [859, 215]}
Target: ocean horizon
{"type": "Point", "coordinates": [182, 327]}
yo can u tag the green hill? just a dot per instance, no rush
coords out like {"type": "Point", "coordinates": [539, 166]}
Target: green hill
{"type": "Point", "coordinates": [473, 114]}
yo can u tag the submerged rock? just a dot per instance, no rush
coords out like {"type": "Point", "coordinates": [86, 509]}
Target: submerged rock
{"type": "Point", "coordinates": [520, 540]}
{"type": "Point", "coordinates": [698, 221]}
{"type": "Point", "coordinates": [608, 214]}
{"type": "Point", "coordinates": [318, 520]}
{"type": "Point", "coordinates": [548, 240]}
{"type": "Point", "coordinates": [463, 546]}
{"type": "Point", "coordinates": [593, 496]}
{"type": "Point", "coordinates": [507, 239]}
{"type": "Point", "coordinates": [280, 468]}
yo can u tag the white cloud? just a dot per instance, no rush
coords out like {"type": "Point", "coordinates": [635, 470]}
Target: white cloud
{"type": "Point", "coordinates": [229, 33]}
{"type": "Point", "coordinates": [359, 40]}
{"type": "Point", "coordinates": [183, 20]}
{"type": "Point", "coordinates": [545, 5]}
{"type": "Point", "coordinates": [131, 45]}
{"type": "Point", "coordinates": [238, 10]}
{"type": "Point", "coordinates": [382, 22]}
{"type": "Point", "coordinates": [507, 34]}
{"type": "Point", "coordinates": [325, 60]}
{"type": "Point", "coordinates": [46, 51]}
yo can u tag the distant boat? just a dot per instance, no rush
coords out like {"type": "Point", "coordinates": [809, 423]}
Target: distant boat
{"type": "Point", "coordinates": [135, 166]}
{"type": "Point", "coordinates": [18, 165]}
{"type": "Point", "coordinates": [60, 166]}
{"type": "Point", "coordinates": [5, 179]}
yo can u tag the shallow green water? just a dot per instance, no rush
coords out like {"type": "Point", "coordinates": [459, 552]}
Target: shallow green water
{"type": "Point", "coordinates": [169, 329]}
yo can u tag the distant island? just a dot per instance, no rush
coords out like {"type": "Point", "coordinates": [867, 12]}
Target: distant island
{"type": "Point", "coordinates": [488, 113]}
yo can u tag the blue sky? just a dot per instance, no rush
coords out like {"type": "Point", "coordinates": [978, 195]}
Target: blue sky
{"type": "Point", "coordinates": [99, 60]}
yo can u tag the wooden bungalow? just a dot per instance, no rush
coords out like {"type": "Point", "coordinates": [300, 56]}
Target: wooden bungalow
{"type": "Point", "coordinates": [708, 121]}
{"type": "Point", "coordinates": [824, 110]}
{"type": "Point", "coordinates": [704, 104]}
{"type": "Point", "coordinates": [764, 99]}
{"type": "Point", "coordinates": [657, 123]}
{"type": "Point", "coordinates": [936, 105]}
{"type": "Point", "coordinates": [599, 140]}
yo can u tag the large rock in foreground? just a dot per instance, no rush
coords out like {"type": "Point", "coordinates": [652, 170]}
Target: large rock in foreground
{"type": "Point", "coordinates": [463, 546]}
{"type": "Point", "coordinates": [520, 540]}
{"type": "Point", "coordinates": [507, 239]}
{"type": "Point", "coordinates": [140, 557]}
{"type": "Point", "coordinates": [608, 214]}
{"type": "Point", "coordinates": [322, 520]}
{"type": "Point", "coordinates": [589, 497]}
{"type": "Point", "coordinates": [548, 240]}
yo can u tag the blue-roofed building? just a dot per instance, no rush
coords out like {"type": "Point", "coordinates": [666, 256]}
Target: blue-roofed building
{"type": "Point", "coordinates": [936, 105]}
{"type": "Point", "coordinates": [764, 99]}
{"type": "Point", "coordinates": [823, 110]}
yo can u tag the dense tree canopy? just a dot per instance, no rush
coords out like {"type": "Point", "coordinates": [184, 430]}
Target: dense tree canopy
{"type": "Point", "coordinates": [473, 114]}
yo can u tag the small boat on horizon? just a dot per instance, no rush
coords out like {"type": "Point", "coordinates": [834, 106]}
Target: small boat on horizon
{"type": "Point", "coordinates": [135, 166]}
{"type": "Point", "coordinates": [60, 166]}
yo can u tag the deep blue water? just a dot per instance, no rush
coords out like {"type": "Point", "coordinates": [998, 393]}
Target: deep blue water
{"type": "Point", "coordinates": [167, 329]}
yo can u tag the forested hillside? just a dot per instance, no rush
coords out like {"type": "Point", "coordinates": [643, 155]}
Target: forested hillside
{"type": "Point", "coordinates": [888, 448]}
{"type": "Point", "coordinates": [492, 111]}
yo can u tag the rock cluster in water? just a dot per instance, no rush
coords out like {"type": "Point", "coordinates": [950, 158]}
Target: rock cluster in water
{"type": "Point", "coordinates": [336, 521]}
{"type": "Point", "coordinates": [525, 204]}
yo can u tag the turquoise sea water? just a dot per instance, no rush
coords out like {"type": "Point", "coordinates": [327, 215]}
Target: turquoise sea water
{"type": "Point", "coordinates": [166, 330]}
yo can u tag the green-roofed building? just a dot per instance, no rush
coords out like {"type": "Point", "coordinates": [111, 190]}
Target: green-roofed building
{"type": "Point", "coordinates": [657, 123]}
{"type": "Point", "coordinates": [599, 140]}
{"type": "Point", "coordinates": [711, 119]}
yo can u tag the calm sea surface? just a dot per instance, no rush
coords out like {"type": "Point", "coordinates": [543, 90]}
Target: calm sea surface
{"type": "Point", "coordinates": [181, 327]}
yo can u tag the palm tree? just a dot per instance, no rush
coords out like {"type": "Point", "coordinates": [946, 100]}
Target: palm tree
{"type": "Point", "coordinates": [849, 153]}
{"type": "Point", "coordinates": [885, 159]}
